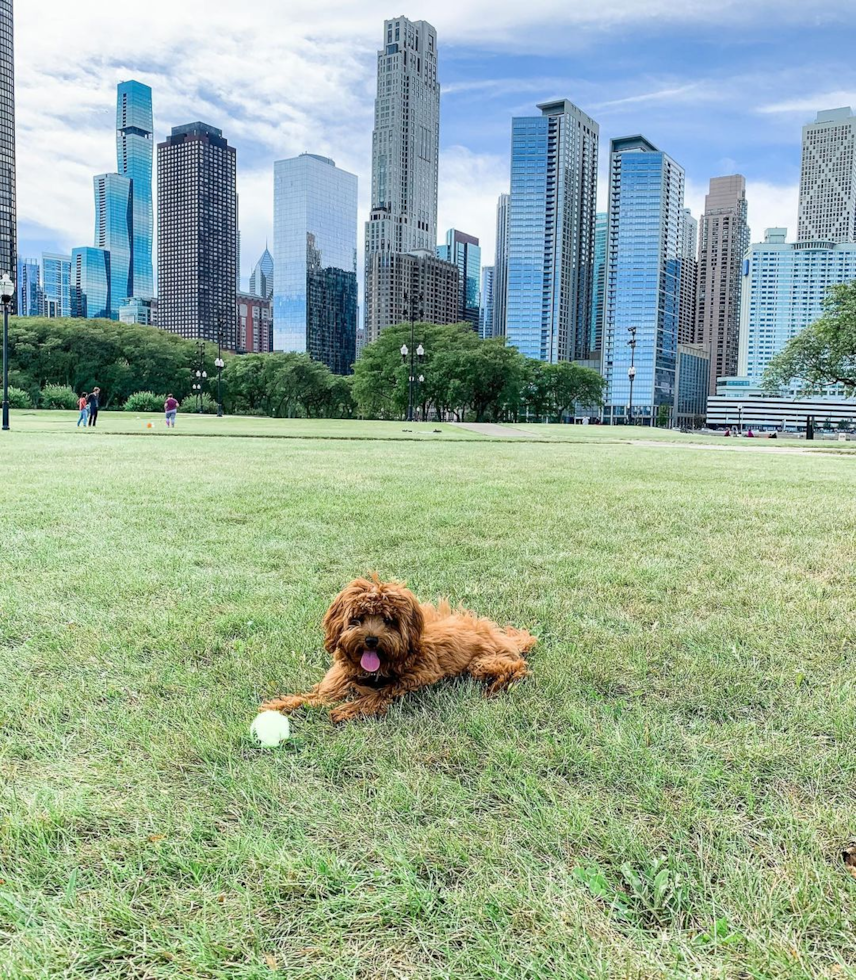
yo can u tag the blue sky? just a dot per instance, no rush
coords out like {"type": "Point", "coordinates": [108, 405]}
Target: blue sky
{"type": "Point", "coordinates": [723, 87]}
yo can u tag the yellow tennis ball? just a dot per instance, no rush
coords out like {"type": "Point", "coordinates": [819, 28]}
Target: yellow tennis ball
{"type": "Point", "coordinates": [269, 728]}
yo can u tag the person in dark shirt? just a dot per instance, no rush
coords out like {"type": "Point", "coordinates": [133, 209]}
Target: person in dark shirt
{"type": "Point", "coordinates": [92, 401]}
{"type": "Point", "coordinates": [170, 406]}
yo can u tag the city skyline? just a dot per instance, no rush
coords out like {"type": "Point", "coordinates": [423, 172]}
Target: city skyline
{"type": "Point", "coordinates": [486, 77]}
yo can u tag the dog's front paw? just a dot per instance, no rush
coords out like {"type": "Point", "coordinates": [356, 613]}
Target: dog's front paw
{"type": "Point", "coordinates": [287, 704]}
{"type": "Point", "coordinates": [345, 712]}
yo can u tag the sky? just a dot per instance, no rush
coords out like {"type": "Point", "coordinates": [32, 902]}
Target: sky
{"type": "Point", "coordinates": [722, 86]}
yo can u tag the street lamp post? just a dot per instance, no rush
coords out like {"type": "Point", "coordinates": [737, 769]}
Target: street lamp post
{"type": "Point", "coordinates": [631, 371]}
{"type": "Point", "coordinates": [201, 374]}
{"type": "Point", "coordinates": [413, 352]}
{"type": "Point", "coordinates": [7, 291]}
{"type": "Point", "coordinates": [219, 365]}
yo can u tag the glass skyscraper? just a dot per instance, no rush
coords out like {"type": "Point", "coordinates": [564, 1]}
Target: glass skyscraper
{"type": "Point", "coordinates": [488, 305]}
{"type": "Point", "coordinates": [56, 276]}
{"type": "Point", "coordinates": [123, 201]}
{"type": "Point", "coordinates": [463, 250]}
{"type": "Point", "coordinates": [551, 232]}
{"type": "Point", "coordinates": [114, 231]}
{"type": "Point", "coordinates": [643, 266]}
{"type": "Point", "coordinates": [315, 260]}
{"type": "Point", "coordinates": [90, 282]}
{"type": "Point", "coordinates": [261, 279]}
{"type": "Point", "coordinates": [598, 282]}
{"type": "Point", "coordinates": [28, 286]}
{"type": "Point", "coordinates": [134, 149]}
{"type": "Point", "coordinates": [8, 220]}
{"type": "Point", "coordinates": [500, 265]}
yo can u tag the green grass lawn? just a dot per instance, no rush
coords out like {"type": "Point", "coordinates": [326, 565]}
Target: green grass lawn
{"type": "Point", "coordinates": [666, 796]}
{"type": "Point", "coordinates": [137, 423]}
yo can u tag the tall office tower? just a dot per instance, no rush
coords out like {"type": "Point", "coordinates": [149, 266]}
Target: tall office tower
{"type": "Point", "coordinates": [827, 210]}
{"type": "Point", "coordinates": [464, 251]}
{"type": "Point", "coordinates": [254, 323]}
{"type": "Point", "coordinates": [315, 260]}
{"type": "Point", "coordinates": [487, 310]}
{"type": "Point", "coordinates": [405, 284]}
{"type": "Point", "coordinates": [723, 240]}
{"type": "Point", "coordinates": [29, 287]}
{"type": "Point", "coordinates": [8, 216]}
{"type": "Point", "coordinates": [405, 144]}
{"type": "Point", "coordinates": [114, 231]}
{"type": "Point", "coordinates": [238, 242]}
{"type": "Point", "coordinates": [689, 278]}
{"type": "Point", "coordinates": [56, 288]}
{"type": "Point", "coordinates": [784, 285]}
{"type": "Point", "coordinates": [197, 234]}
{"type": "Point", "coordinates": [500, 275]}
{"type": "Point", "coordinates": [134, 149]}
{"type": "Point", "coordinates": [551, 232]}
{"type": "Point", "coordinates": [261, 279]}
{"type": "Point", "coordinates": [598, 287]}
{"type": "Point", "coordinates": [90, 282]}
{"type": "Point", "coordinates": [643, 255]}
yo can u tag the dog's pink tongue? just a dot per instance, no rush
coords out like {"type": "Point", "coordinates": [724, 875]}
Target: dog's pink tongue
{"type": "Point", "coordinates": [370, 661]}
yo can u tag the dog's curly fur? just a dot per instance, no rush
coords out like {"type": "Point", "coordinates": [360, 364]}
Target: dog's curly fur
{"type": "Point", "coordinates": [417, 645]}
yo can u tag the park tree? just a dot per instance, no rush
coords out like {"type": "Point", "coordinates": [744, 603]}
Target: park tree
{"type": "Point", "coordinates": [535, 395]}
{"type": "Point", "coordinates": [120, 358]}
{"type": "Point", "coordinates": [490, 377]}
{"type": "Point", "coordinates": [825, 352]}
{"type": "Point", "coordinates": [381, 380]}
{"type": "Point", "coordinates": [284, 386]}
{"type": "Point", "coordinates": [571, 385]}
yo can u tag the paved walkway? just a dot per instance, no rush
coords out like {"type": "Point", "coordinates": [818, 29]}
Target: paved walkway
{"type": "Point", "coordinates": [497, 431]}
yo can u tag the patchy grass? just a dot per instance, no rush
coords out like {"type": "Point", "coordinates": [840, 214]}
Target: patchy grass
{"type": "Point", "coordinates": [667, 795]}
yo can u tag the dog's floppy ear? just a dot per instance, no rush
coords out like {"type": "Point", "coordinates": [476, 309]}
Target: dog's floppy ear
{"type": "Point", "coordinates": [334, 618]}
{"type": "Point", "coordinates": [414, 622]}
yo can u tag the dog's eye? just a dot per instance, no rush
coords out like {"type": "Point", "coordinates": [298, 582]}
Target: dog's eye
{"type": "Point", "coordinates": [356, 621]}
{"type": "Point", "coordinates": [388, 621]}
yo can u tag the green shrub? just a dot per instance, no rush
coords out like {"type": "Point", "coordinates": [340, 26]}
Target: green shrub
{"type": "Point", "coordinates": [145, 401]}
{"type": "Point", "coordinates": [190, 405]}
{"type": "Point", "coordinates": [18, 398]}
{"type": "Point", "coordinates": [58, 396]}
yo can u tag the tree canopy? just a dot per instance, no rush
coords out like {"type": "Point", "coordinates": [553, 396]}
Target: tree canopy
{"type": "Point", "coordinates": [464, 376]}
{"type": "Point", "coordinates": [824, 353]}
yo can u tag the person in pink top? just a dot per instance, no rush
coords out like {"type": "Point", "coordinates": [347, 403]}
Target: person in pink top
{"type": "Point", "coordinates": [170, 406]}
{"type": "Point", "coordinates": [83, 407]}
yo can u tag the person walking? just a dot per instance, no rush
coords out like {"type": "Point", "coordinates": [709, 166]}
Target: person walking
{"type": "Point", "coordinates": [170, 406]}
{"type": "Point", "coordinates": [84, 410]}
{"type": "Point", "coordinates": [92, 401]}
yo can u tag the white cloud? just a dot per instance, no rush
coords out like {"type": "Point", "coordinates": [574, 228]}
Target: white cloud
{"type": "Point", "coordinates": [280, 78]}
{"type": "Point", "coordinates": [812, 103]}
{"type": "Point", "coordinates": [692, 89]}
{"type": "Point", "coordinates": [470, 184]}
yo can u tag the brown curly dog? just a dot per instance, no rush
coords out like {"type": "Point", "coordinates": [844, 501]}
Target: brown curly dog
{"type": "Point", "coordinates": [384, 644]}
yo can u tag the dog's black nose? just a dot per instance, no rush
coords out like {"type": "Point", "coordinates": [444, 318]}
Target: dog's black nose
{"type": "Point", "coordinates": [371, 642]}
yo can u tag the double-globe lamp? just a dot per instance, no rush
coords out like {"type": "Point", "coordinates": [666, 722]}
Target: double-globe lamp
{"type": "Point", "coordinates": [7, 293]}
